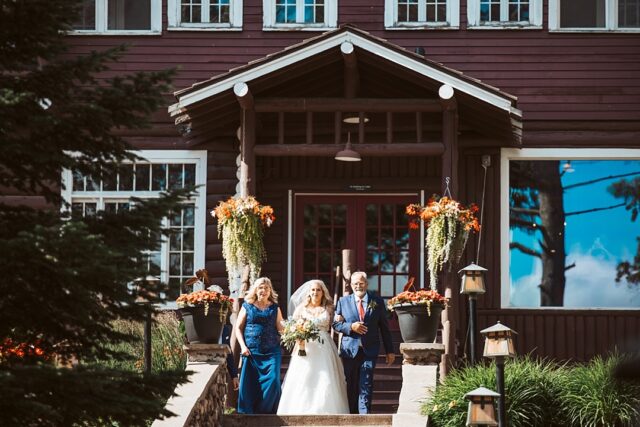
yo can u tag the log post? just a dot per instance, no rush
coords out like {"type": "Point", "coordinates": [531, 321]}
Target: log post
{"type": "Point", "coordinates": [450, 182]}
{"type": "Point", "coordinates": [247, 139]}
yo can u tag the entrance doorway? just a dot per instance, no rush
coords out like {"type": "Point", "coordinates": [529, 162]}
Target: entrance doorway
{"type": "Point", "coordinates": [374, 226]}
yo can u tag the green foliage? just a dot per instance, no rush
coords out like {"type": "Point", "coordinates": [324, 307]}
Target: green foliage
{"type": "Point", "coordinates": [64, 281]}
{"type": "Point", "coordinates": [542, 393]}
{"type": "Point", "coordinates": [588, 396]}
{"type": "Point", "coordinates": [166, 345]}
{"type": "Point", "coordinates": [527, 384]}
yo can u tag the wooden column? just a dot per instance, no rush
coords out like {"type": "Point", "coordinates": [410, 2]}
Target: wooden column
{"type": "Point", "coordinates": [450, 174]}
{"type": "Point", "coordinates": [351, 76]}
{"type": "Point", "coordinates": [247, 140]}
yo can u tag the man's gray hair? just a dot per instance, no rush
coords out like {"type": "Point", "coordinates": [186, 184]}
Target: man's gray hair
{"type": "Point", "coordinates": [360, 274]}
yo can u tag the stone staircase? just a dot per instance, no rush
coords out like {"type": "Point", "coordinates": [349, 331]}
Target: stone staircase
{"type": "Point", "coordinates": [236, 420]}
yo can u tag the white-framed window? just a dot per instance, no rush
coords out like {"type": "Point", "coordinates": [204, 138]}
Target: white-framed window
{"type": "Point", "coordinates": [569, 229]}
{"type": "Point", "coordinates": [184, 252]}
{"type": "Point", "coordinates": [421, 14]}
{"type": "Point", "coordinates": [198, 15]}
{"type": "Point", "coordinates": [300, 14]}
{"type": "Point", "coordinates": [594, 15]}
{"type": "Point", "coordinates": [119, 17]}
{"type": "Point", "coordinates": [494, 14]}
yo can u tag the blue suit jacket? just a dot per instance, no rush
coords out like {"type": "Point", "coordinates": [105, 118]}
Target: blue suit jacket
{"type": "Point", "coordinates": [375, 320]}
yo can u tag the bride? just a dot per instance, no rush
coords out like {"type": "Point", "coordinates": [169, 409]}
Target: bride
{"type": "Point", "coordinates": [314, 383]}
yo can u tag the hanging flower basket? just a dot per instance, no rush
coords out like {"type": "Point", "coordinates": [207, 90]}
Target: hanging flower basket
{"type": "Point", "coordinates": [241, 223]}
{"type": "Point", "coordinates": [448, 224]}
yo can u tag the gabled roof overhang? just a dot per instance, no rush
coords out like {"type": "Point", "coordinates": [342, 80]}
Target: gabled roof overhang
{"type": "Point", "coordinates": [502, 104]}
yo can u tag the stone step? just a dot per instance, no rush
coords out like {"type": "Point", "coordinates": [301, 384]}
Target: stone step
{"type": "Point", "coordinates": [238, 420]}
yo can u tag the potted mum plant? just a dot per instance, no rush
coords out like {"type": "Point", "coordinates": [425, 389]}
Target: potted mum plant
{"type": "Point", "coordinates": [241, 224]}
{"type": "Point", "coordinates": [204, 312]}
{"type": "Point", "coordinates": [418, 313]}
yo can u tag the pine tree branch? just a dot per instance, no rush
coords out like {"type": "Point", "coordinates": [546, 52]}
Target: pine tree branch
{"type": "Point", "coordinates": [604, 178]}
{"type": "Point", "coordinates": [595, 209]}
{"type": "Point", "coordinates": [525, 250]}
{"type": "Point", "coordinates": [525, 211]}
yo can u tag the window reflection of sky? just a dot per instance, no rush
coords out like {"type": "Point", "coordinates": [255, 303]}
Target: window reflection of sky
{"type": "Point", "coordinates": [595, 242]}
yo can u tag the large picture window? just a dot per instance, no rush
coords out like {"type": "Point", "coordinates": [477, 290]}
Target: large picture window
{"type": "Point", "coordinates": [594, 15]}
{"type": "Point", "coordinates": [119, 16]}
{"type": "Point", "coordinates": [177, 257]}
{"type": "Point", "coordinates": [571, 231]}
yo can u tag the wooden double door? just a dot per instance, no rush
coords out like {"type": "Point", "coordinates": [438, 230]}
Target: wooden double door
{"type": "Point", "coordinates": [374, 226]}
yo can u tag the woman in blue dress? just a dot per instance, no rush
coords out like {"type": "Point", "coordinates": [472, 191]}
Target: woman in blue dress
{"type": "Point", "coordinates": [258, 330]}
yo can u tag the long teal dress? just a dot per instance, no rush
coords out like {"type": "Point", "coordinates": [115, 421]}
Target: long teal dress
{"type": "Point", "coordinates": [260, 376]}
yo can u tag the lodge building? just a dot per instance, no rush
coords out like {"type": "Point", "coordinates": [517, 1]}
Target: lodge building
{"type": "Point", "coordinates": [528, 108]}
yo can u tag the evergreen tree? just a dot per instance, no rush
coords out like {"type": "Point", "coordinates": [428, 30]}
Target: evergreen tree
{"type": "Point", "coordinates": [64, 279]}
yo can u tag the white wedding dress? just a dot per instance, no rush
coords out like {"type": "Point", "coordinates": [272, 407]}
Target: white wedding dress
{"type": "Point", "coordinates": [315, 383]}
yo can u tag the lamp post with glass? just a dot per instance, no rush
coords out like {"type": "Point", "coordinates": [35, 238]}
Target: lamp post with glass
{"type": "Point", "coordinates": [472, 285]}
{"type": "Point", "coordinates": [498, 344]}
{"type": "Point", "coordinates": [481, 410]}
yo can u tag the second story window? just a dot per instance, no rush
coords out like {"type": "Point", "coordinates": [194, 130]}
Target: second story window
{"type": "Point", "coordinates": [119, 17]}
{"type": "Point", "coordinates": [504, 13]}
{"type": "Point", "coordinates": [594, 15]}
{"type": "Point", "coordinates": [204, 14]}
{"type": "Point", "coordinates": [418, 14]}
{"type": "Point", "coordinates": [300, 14]}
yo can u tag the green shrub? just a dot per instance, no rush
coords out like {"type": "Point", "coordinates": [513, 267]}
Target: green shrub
{"type": "Point", "coordinates": [166, 345]}
{"type": "Point", "coordinates": [543, 393]}
{"type": "Point", "coordinates": [588, 396]}
{"type": "Point", "coordinates": [528, 387]}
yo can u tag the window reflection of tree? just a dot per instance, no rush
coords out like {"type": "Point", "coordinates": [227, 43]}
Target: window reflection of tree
{"type": "Point", "coordinates": [537, 208]}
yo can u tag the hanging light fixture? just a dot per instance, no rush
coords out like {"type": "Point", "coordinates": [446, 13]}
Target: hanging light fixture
{"type": "Point", "coordinates": [354, 119]}
{"type": "Point", "coordinates": [348, 155]}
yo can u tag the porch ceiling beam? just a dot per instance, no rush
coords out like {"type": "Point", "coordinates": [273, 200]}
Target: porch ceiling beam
{"type": "Point", "coordinates": [351, 75]}
{"type": "Point", "coordinates": [367, 150]}
{"type": "Point", "coordinates": [369, 105]}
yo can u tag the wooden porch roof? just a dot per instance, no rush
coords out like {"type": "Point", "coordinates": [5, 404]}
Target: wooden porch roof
{"type": "Point", "coordinates": [315, 68]}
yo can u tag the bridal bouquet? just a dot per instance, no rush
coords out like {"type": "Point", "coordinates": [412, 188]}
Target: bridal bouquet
{"type": "Point", "coordinates": [299, 331]}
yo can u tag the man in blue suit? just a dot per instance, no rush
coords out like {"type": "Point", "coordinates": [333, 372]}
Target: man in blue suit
{"type": "Point", "coordinates": [361, 319]}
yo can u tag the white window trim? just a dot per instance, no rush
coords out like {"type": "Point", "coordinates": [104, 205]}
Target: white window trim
{"type": "Point", "coordinates": [197, 157]}
{"type": "Point", "coordinates": [507, 154]}
{"type": "Point", "coordinates": [174, 23]}
{"type": "Point", "coordinates": [101, 22]}
{"type": "Point", "coordinates": [535, 17]}
{"type": "Point", "coordinates": [269, 18]}
{"type": "Point", "coordinates": [611, 19]}
{"type": "Point", "coordinates": [391, 18]}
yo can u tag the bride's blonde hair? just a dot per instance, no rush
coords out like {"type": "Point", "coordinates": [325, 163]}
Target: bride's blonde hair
{"type": "Point", "coordinates": [325, 302]}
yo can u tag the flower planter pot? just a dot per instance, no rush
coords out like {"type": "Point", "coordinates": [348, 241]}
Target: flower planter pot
{"type": "Point", "coordinates": [416, 325]}
{"type": "Point", "coordinates": [203, 329]}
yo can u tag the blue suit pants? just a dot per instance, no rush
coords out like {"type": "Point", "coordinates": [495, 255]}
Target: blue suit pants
{"type": "Point", "coordinates": [359, 375]}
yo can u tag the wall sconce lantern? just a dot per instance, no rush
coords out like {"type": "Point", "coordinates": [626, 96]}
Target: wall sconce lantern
{"type": "Point", "coordinates": [481, 410]}
{"type": "Point", "coordinates": [498, 345]}
{"type": "Point", "coordinates": [348, 154]}
{"type": "Point", "coordinates": [472, 285]}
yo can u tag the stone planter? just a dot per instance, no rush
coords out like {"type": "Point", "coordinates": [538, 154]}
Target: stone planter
{"type": "Point", "coordinates": [416, 325]}
{"type": "Point", "coordinates": [203, 329]}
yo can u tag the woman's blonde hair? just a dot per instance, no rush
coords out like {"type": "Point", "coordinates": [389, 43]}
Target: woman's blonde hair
{"type": "Point", "coordinates": [252, 294]}
{"type": "Point", "coordinates": [326, 302]}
